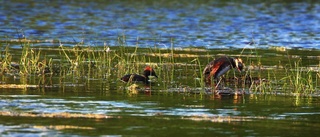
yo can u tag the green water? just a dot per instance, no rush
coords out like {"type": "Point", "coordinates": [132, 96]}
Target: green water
{"type": "Point", "coordinates": [162, 115]}
{"type": "Point", "coordinates": [91, 101]}
{"type": "Point", "coordinates": [58, 77]}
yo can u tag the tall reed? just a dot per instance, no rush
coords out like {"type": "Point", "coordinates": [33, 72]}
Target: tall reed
{"type": "Point", "coordinates": [6, 59]}
{"type": "Point", "coordinates": [299, 79]}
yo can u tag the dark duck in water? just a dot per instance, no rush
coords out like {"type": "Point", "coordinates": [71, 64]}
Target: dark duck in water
{"type": "Point", "coordinates": [220, 66]}
{"type": "Point", "coordinates": [148, 71]}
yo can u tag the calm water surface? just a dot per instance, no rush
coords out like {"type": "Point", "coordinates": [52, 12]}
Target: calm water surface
{"type": "Point", "coordinates": [100, 106]}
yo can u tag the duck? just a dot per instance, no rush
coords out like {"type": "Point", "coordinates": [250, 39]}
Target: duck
{"type": "Point", "coordinates": [220, 66]}
{"type": "Point", "coordinates": [148, 71]}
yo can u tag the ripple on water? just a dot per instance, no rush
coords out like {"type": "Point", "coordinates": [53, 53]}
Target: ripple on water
{"type": "Point", "coordinates": [214, 24]}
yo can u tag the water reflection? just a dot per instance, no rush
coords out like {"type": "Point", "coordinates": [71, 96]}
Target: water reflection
{"type": "Point", "coordinates": [29, 130]}
{"type": "Point", "coordinates": [210, 24]}
{"type": "Point", "coordinates": [225, 107]}
{"type": "Point", "coordinates": [99, 106]}
{"type": "Point", "coordinates": [253, 108]}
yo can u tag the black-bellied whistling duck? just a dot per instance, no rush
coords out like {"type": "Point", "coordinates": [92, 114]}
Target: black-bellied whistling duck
{"type": "Point", "coordinates": [148, 71]}
{"type": "Point", "coordinates": [219, 66]}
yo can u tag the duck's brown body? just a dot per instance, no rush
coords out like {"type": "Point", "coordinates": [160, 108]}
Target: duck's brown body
{"type": "Point", "coordinates": [218, 67]}
{"type": "Point", "coordinates": [148, 71]}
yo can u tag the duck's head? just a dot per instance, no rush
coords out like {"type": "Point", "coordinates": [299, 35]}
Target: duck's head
{"type": "Point", "coordinates": [238, 64]}
{"type": "Point", "coordinates": [148, 71]}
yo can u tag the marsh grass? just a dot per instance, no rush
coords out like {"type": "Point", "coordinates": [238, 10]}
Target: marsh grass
{"type": "Point", "coordinates": [6, 59]}
{"type": "Point", "coordinates": [30, 62]}
{"type": "Point", "coordinates": [82, 63]}
{"type": "Point", "coordinates": [299, 79]}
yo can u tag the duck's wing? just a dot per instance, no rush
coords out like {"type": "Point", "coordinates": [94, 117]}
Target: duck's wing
{"type": "Point", "coordinates": [212, 68]}
{"type": "Point", "coordinates": [224, 64]}
{"type": "Point", "coordinates": [221, 70]}
{"type": "Point", "coordinates": [133, 77]}
{"type": "Point", "coordinates": [126, 78]}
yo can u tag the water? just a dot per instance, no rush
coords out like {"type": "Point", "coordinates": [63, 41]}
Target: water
{"type": "Point", "coordinates": [98, 104]}
{"type": "Point", "coordinates": [209, 24]}
{"type": "Point", "coordinates": [103, 107]}
{"type": "Point", "coordinates": [168, 115]}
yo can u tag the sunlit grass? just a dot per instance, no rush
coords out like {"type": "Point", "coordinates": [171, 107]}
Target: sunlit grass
{"type": "Point", "coordinates": [299, 79]}
{"type": "Point", "coordinates": [81, 63]}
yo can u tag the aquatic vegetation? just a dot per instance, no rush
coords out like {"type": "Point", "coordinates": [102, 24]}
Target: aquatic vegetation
{"type": "Point", "coordinates": [179, 69]}
{"type": "Point", "coordinates": [299, 79]}
{"type": "Point", "coordinates": [6, 60]}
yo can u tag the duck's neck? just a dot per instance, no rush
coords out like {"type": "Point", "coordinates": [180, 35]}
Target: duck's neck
{"type": "Point", "coordinates": [146, 74]}
{"type": "Point", "coordinates": [233, 62]}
